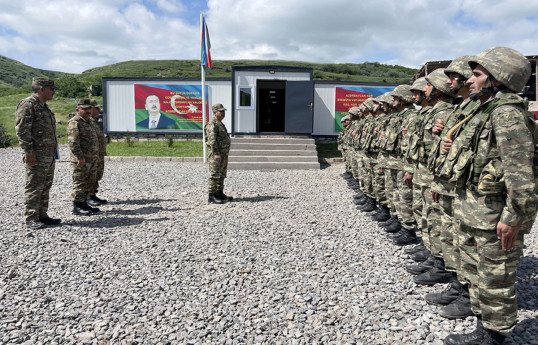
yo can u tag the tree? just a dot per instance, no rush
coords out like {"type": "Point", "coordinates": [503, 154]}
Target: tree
{"type": "Point", "coordinates": [69, 86]}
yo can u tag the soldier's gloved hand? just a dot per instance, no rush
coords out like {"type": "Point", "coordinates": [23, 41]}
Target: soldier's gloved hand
{"type": "Point", "coordinates": [447, 144]}
{"type": "Point", "coordinates": [507, 234]}
{"type": "Point", "coordinates": [29, 159]}
{"type": "Point", "coordinates": [218, 158]}
{"type": "Point", "coordinates": [81, 163]}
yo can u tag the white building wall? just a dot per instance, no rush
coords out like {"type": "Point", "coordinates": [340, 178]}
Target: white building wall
{"type": "Point", "coordinates": [245, 119]}
{"type": "Point", "coordinates": [324, 97]}
{"type": "Point", "coordinates": [120, 100]}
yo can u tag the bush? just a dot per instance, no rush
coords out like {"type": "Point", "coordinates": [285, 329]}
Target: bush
{"type": "Point", "coordinates": [5, 139]}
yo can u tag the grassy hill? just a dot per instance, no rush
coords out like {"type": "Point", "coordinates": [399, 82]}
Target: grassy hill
{"type": "Point", "coordinates": [15, 75]}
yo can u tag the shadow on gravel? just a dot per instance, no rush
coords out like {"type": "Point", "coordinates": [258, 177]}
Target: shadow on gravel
{"type": "Point", "coordinates": [526, 283]}
{"type": "Point", "coordinates": [259, 198]}
{"type": "Point", "coordinates": [137, 202]}
{"type": "Point", "coordinates": [143, 210]}
{"type": "Point", "coordinates": [519, 337]}
{"type": "Point", "coordinates": [113, 222]}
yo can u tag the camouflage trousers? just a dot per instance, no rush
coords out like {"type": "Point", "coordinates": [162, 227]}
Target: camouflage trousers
{"type": "Point", "coordinates": [449, 233]}
{"type": "Point", "coordinates": [428, 218]}
{"type": "Point", "coordinates": [217, 173]}
{"type": "Point", "coordinates": [366, 177]}
{"type": "Point", "coordinates": [100, 166]}
{"type": "Point", "coordinates": [37, 187]}
{"type": "Point", "coordinates": [84, 179]}
{"type": "Point", "coordinates": [391, 185]}
{"type": "Point", "coordinates": [379, 185]}
{"type": "Point", "coordinates": [492, 274]}
{"type": "Point", "coordinates": [404, 200]}
{"type": "Point", "coordinates": [353, 157]}
{"type": "Point", "coordinates": [418, 206]}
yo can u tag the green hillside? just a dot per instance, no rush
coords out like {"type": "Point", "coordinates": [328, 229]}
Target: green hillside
{"type": "Point", "coordinates": [15, 75]}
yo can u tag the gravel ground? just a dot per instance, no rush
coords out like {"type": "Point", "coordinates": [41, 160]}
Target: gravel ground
{"type": "Point", "coordinates": [289, 261]}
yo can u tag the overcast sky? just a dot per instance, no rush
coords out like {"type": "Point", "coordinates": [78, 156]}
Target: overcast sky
{"type": "Point", "coordinates": [74, 35]}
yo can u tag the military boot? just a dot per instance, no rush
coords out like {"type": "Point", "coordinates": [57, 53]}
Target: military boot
{"type": "Point", "coordinates": [50, 221]}
{"type": "Point", "coordinates": [214, 199]}
{"type": "Point", "coordinates": [359, 195]}
{"type": "Point", "coordinates": [408, 237]}
{"type": "Point", "coordinates": [421, 255]}
{"type": "Point", "coordinates": [388, 222]}
{"type": "Point", "coordinates": [369, 206]}
{"type": "Point", "coordinates": [35, 225]}
{"type": "Point", "coordinates": [460, 308]}
{"type": "Point", "coordinates": [382, 215]}
{"type": "Point", "coordinates": [448, 295]}
{"type": "Point", "coordinates": [222, 196]}
{"type": "Point", "coordinates": [81, 209]}
{"type": "Point", "coordinates": [415, 249]}
{"type": "Point", "coordinates": [422, 267]}
{"type": "Point", "coordinates": [92, 202]}
{"type": "Point", "coordinates": [361, 201]}
{"type": "Point", "coordinates": [90, 208]}
{"type": "Point", "coordinates": [480, 336]}
{"type": "Point", "coordinates": [99, 200]}
{"type": "Point", "coordinates": [437, 275]}
{"type": "Point", "coordinates": [347, 175]}
{"type": "Point", "coordinates": [394, 228]}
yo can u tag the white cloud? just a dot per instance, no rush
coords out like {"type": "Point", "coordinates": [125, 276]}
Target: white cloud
{"type": "Point", "coordinates": [72, 35]}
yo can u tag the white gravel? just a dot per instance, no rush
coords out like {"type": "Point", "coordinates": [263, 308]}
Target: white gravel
{"type": "Point", "coordinates": [289, 261]}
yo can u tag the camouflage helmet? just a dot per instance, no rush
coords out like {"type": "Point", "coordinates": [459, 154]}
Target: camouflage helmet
{"type": "Point", "coordinates": [438, 79]}
{"type": "Point", "coordinates": [403, 92]}
{"type": "Point", "coordinates": [419, 84]}
{"type": "Point", "coordinates": [386, 98]}
{"type": "Point", "coordinates": [461, 66]}
{"type": "Point", "coordinates": [369, 104]}
{"type": "Point", "coordinates": [507, 65]}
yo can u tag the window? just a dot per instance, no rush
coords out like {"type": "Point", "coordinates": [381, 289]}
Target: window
{"type": "Point", "coordinates": [245, 97]}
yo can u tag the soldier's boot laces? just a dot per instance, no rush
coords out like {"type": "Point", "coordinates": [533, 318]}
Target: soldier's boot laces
{"type": "Point", "coordinates": [222, 196]}
{"type": "Point", "coordinates": [480, 336]}
{"type": "Point", "coordinates": [80, 209]}
{"type": "Point", "coordinates": [453, 290]}
{"type": "Point", "coordinates": [407, 237]}
{"type": "Point", "coordinates": [214, 199]}
{"type": "Point", "coordinates": [459, 309]}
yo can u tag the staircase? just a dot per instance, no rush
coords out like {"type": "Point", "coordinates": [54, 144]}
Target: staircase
{"type": "Point", "coordinates": [264, 153]}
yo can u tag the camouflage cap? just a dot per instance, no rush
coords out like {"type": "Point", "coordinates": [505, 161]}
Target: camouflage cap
{"type": "Point", "coordinates": [386, 97]}
{"type": "Point", "coordinates": [84, 103]}
{"type": "Point", "coordinates": [369, 104]}
{"type": "Point", "coordinates": [44, 82]}
{"type": "Point", "coordinates": [218, 107]}
{"type": "Point", "coordinates": [507, 65]}
{"type": "Point", "coordinates": [355, 111]}
{"type": "Point", "coordinates": [94, 103]}
{"type": "Point", "coordinates": [403, 92]}
{"type": "Point", "coordinates": [418, 85]}
{"type": "Point", "coordinates": [461, 66]}
{"type": "Point", "coordinates": [438, 79]}
{"type": "Point", "coordinates": [343, 119]}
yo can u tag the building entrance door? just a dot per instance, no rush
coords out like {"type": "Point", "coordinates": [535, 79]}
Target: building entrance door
{"type": "Point", "coordinates": [271, 106]}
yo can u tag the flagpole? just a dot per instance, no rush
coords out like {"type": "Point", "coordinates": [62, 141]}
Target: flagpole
{"type": "Point", "coordinates": [203, 94]}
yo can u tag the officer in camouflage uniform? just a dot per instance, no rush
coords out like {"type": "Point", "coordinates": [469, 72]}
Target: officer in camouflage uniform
{"type": "Point", "coordinates": [84, 145]}
{"type": "Point", "coordinates": [454, 300]}
{"type": "Point", "coordinates": [218, 141]}
{"type": "Point", "coordinates": [94, 200]}
{"type": "Point", "coordinates": [494, 159]}
{"type": "Point", "coordinates": [36, 131]}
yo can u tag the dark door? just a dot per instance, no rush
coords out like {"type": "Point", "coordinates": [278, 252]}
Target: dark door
{"type": "Point", "coordinates": [299, 105]}
{"type": "Point", "coordinates": [271, 106]}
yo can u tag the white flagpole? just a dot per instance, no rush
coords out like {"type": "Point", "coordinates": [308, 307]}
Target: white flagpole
{"type": "Point", "coordinates": [203, 95]}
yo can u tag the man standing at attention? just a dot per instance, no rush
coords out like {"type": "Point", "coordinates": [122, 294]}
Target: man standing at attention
{"type": "Point", "coordinates": [218, 141]}
{"type": "Point", "coordinates": [94, 200]}
{"type": "Point", "coordinates": [36, 131]}
{"type": "Point", "coordinates": [83, 142]}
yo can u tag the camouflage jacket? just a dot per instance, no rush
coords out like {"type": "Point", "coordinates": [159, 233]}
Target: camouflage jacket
{"type": "Point", "coordinates": [217, 138]}
{"type": "Point", "coordinates": [35, 127]}
{"type": "Point", "coordinates": [497, 155]}
{"type": "Point", "coordinates": [83, 139]}
{"type": "Point", "coordinates": [101, 137]}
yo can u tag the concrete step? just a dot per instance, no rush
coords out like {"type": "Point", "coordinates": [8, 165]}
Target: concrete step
{"type": "Point", "coordinates": [272, 153]}
{"type": "Point", "coordinates": [272, 165]}
{"type": "Point", "coordinates": [248, 140]}
{"type": "Point", "coordinates": [312, 159]}
{"type": "Point", "coordinates": [263, 146]}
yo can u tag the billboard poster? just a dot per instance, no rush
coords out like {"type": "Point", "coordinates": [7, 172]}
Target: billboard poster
{"type": "Point", "coordinates": [169, 107]}
{"type": "Point", "coordinates": [348, 97]}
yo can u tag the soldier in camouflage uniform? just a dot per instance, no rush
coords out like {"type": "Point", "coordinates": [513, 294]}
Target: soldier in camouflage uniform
{"type": "Point", "coordinates": [365, 173]}
{"type": "Point", "coordinates": [345, 121]}
{"type": "Point", "coordinates": [454, 300]}
{"type": "Point", "coordinates": [218, 141]}
{"type": "Point", "coordinates": [94, 200]}
{"type": "Point", "coordinates": [84, 145]}
{"type": "Point", "coordinates": [427, 213]}
{"type": "Point", "coordinates": [494, 159]}
{"type": "Point", "coordinates": [36, 131]}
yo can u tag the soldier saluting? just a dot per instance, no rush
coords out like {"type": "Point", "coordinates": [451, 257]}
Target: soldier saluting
{"type": "Point", "coordinates": [36, 132]}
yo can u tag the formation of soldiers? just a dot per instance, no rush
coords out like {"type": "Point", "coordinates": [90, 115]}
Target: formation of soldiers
{"type": "Point", "coordinates": [36, 132]}
{"type": "Point", "coordinates": [450, 164]}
